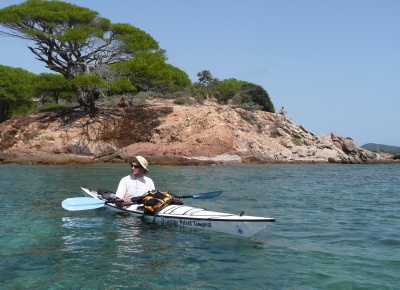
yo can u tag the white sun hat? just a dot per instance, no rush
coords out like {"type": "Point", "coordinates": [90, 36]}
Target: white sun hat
{"type": "Point", "coordinates": [141, 160]}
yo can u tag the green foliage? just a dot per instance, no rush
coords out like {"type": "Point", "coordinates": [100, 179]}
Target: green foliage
{"type": "Point", "coordinates": [15, 92]}
{"type": "Point", "coordinates": [52, 86]}
{"type": "Point", "coordinates": [133, 39]}
{"type": "Point", "coordinates": [50, 108]}
{"type": "Point", "coordinates": [198, 90]}
{"type": "Point", "coordinates": [227, 89]}
{"type": "Point", "coordinates": [184, 100]}
{"type": "Point", "coordinates": [94, 55]}
{"type": "Point", "coordinates": [199, 99]}
{"type": "Point", "coordinates": [297, 141]}
{"type": "Point", "coordinates": [252, 93]}
{"type": "Point", "coordinates": [77, 39]}
{"type": "Point", "coordinates": [205, 78]}
{"type": "Point", "coordinates": [121, 86]}
{"type": "Point", "coordinates": [241, 93]}
{"type": "Point", "coordinates": [175, 79]}
{"type": "Point", "coordinates": [89, 82]}
{"type": "Point", "coordinates": [206, 86]}
{"type": "Point", "coordinates": [90, 86]}
{"type": "Point", "coordinates": [149, 71]}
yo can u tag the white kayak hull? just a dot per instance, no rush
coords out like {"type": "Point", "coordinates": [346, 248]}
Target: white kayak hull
{"type": "Point", "coordinates": [196, 218]}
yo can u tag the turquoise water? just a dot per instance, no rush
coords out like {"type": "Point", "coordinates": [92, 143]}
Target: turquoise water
{"type": "Point", "coordinates": [338, 227]}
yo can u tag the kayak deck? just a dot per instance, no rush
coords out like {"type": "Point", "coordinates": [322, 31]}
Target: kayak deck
{"type": "Point", "coordinates": [199, 218]}
{"type": "Point", "coordinates": [199, 213]}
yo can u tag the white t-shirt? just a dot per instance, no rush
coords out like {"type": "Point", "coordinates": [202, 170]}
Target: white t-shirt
{"type": "Point", "coordinates": [130, 186]}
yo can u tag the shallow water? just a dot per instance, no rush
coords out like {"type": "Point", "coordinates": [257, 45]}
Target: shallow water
{"type": "Point", "coordinates": [337, 228]}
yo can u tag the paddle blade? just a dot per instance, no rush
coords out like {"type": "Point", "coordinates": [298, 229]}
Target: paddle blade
{"type": "Point", "coordinates": [81, 203]}
{"type": "Point", "coordinates": [207, 195]}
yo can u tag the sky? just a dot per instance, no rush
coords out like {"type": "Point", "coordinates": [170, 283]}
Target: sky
{"type": "Point", "coordinates": [334, 64]}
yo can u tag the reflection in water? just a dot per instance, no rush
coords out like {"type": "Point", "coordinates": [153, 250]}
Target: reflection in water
{"type": "Point", "coordinates": [129, 239]}
{"type": "Point", "coordinates": [81, 234]}
{"type": "Point", "coordinates": [84, 233]}
{"type": "Point", "coordinates": [128, 246]}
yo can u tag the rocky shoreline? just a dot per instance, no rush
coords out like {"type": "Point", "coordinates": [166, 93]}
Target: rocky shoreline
{"type": "Point", "coordinates": [169, 134]}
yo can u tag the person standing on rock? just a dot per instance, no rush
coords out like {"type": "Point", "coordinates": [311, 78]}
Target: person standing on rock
{"type": "Point", "coordinates": [135, 184]}
{"type": "Point", "coordinates": [282, 111]}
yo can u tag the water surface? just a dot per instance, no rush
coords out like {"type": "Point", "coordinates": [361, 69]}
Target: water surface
{"type": "Point", "coordinates": [337, 227]}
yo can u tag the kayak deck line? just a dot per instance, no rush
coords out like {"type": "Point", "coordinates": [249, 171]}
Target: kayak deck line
{"type": "Point", "coordinates": [225, 219]}
{"type": "Point", "coordinates": [189, 214]}
{"type": "Point", "coordinates": [196, 218]}
{"type": "Point", "coordinates": [191, 211]}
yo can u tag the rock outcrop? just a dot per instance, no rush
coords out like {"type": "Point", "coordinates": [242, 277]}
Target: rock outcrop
{"type": "Point", "coordinates": [171, 134]}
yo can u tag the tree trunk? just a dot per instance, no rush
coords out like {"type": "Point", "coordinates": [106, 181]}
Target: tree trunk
{"type": "Point", "coordinates": [56, 98]}
{"type": "Point", "coordinates": [4, 109]}
{"type": "Point", "coordinates": [85, 98]}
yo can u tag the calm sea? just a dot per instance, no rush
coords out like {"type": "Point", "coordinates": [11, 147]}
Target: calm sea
{"type": "Point", "coordinates": [337, 227]}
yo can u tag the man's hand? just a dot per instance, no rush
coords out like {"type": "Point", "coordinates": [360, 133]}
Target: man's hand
{"type": "Point", "coordinates": [127, 201]}
{"type": "Point", "coordinates": [121, 202]}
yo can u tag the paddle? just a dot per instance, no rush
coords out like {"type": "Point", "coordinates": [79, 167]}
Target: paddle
{"type": "Point", "coordinates": [82, 203]}
{"type": "Point", "coordinates": [85, 203]}
{"type": "Point", "coordinates": [204, 195]}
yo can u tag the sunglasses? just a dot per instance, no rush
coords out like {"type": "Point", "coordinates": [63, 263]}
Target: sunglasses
{"type": "Point", "coordinates": [136, 166]}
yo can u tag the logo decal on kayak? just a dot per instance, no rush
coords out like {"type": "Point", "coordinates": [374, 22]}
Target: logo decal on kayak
{"type": "Point", "coordinates": [186, 223]}
{"type": "Point", "coordinates": [239, 229]}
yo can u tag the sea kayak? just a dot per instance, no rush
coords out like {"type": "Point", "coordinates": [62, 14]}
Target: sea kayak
{"type": "Point", "coordinates": [191, 217]}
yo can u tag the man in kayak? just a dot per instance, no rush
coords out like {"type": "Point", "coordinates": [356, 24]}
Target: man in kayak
{"type": "Point", "coordinates": [135, 184]}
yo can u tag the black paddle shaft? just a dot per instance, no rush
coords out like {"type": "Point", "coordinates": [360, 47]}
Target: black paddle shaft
{"type": "Point", "coordinates": [133, 199]}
